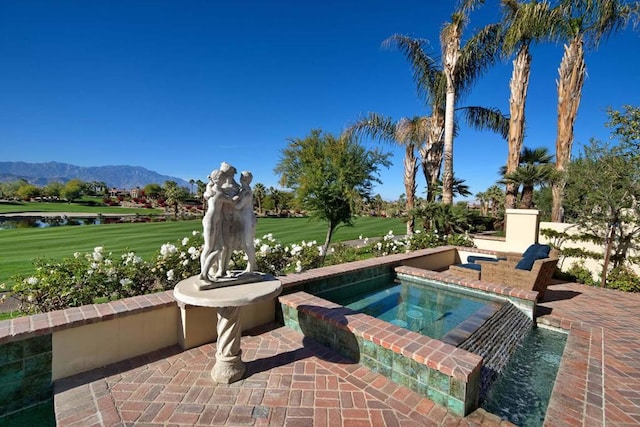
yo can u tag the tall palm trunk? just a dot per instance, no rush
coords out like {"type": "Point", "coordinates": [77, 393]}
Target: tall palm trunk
{"type": "Point", "coordinates": [518, 85]}
{"type": "Point", "coordinates": [447, 174]}
{"type": "Point", "coordinates": [431, 154]}
{"type": "Point", "coordinates": [526, 202]}
{"type": "Point", "coordinates": [451, 51]}
{"type": "Point", "coordinates": [570, 81]}
{"type": "Point", "coordinates": [410, 168]}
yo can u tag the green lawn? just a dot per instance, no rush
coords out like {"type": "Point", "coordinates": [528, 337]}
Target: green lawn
{"type": "Point", "coordinates": [18, 247]}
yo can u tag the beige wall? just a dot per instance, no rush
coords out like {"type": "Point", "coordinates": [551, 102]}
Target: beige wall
{"type": "Point", "coordinates": [595, 266]}
{"type": "Point", "coordinates": [435, 262]}
{"type": "Point", "coordinates": [99, 344]}
{"type": "Point", "coordinates": [521, 231]}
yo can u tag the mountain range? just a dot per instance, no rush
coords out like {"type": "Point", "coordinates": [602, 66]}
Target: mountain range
{"type": "Point", "coordinates": [122, 177]}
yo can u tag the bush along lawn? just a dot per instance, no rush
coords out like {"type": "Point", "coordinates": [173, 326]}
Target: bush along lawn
{"type": "Point", "coordinates": [101, 275]}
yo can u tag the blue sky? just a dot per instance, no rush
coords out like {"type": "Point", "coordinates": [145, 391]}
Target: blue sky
{"type": "Point", "coordinates": [179, 86]}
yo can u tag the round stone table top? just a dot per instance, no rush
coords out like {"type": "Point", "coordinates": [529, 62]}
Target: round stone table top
{"type": "Point", "coordinates": [186, 291]}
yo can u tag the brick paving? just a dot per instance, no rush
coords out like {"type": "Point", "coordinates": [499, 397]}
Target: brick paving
{"type": "Point", "coordinates": [293, 381]}
{"type": "Point", "coordinates": [599, 380]}
{"type": "Point", "coordinates": [290, 381]}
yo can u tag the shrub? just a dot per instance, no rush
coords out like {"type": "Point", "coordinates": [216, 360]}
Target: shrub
{"type": "Point", "coordinates": [624, 279]}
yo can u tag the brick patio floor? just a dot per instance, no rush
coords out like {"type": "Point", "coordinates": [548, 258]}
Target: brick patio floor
{"type": "Point", "coordinates": [293, 381]}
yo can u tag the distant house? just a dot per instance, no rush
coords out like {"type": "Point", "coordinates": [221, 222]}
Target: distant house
{"type": "Point", "coordinates": [133, 193]}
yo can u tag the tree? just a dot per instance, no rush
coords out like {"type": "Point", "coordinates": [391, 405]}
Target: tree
{"type": "Point", "coordinates": [496, 196]}
{"type": "Point", "coordinates": [153, 191]}
{"type": "Point", "coordinates": [602, 189]}
{"type": "Point", "coordinates": [462, 64]}
{"type": "Point", "coordinates": [53, 189]}
{"type": "Point", "coordinates": [408, 133]}
{"type": "Point", "coordinates": [525, 23]}
{"type": "Point", "coordinates": [259, 193]}
{"type": "Point", "coordinates": [175, 195]}
{"type": "Point", "coordinates": [432, 83]}
{"type": "Point", "coordinates": [326, 173]}
{"type": "Point", "coordinates": [584, 24]}
{"type": "Point", "coordinates": [28, 191]}
{"type": "Point", "coordinates": [73, 190]}
{"type": "Point", "coordinates": [276, 197]}
{"type": "Point", "coordinates": [534, 169]}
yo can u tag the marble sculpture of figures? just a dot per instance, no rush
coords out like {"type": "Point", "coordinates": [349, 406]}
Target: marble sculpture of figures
{"type": "Point", "coordinates": [229, 222]}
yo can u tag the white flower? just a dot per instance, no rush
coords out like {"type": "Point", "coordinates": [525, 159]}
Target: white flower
{"type": "Point", "coordinates": [194, 233]}
{"type": "Point", "coordinates": [108, 262]}
{"type": "Point", "coordinates": [366, 240]}
{"type": "Point", "coordinates": [295, 249]}
{"type": "Point", "coordinates": [167, 249]}
{"type": "Point", "coordinates": [94, 265]}
{"type": "Point", "coordinates": [30, 298]}
{"type": "Point", "coordinates": [170, 275]}
{"type": "Point", "coordinates": [32, 281]}
{"type": "Point", "coordinates": [256, 242]}
{"type": "Point", "coordinates": [265, 249]}
{"type": "Point", "coordinates": [125, 282]}
{"type": "Point", "coordinates": [97, 255]}
{"type": "Point", "coordinates": [298, 266]}
{"type": "Point", "coordinates": [98, 249]}
{"type": "Point", "coordinates": [185, 262]}
{"type": "Point", "coordinates": [360, 237]}
{"type": "Point", "coordinates": [321, 250]}
{"type": "Point", "coordinates": [185, 241]}
{"type": "Point", "coordinates": [77, 255]}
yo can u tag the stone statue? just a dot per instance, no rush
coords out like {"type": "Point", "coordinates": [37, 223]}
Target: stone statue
{"type": "Point", "coordinates": [228, 225]}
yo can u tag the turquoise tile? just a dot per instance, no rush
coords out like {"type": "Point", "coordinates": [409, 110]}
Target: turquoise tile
{"type": "Point", "coordinates": [422, 373]}
{"type": "Point", "coordinates": [403, 365]}
{"type": "Point", "coordinates": [12, 372]}
{"type": "Point", "coordinates": [439, 381]}
{"type": "Point", "coordinates": [456, 406]}
{"type": "Point", "coordinates": [370, 349]}
{"type": "Point", "coordinates": [438, 397]}
{"type": "Point", "coordinates": [385, 356]}
{"type": "Point", "coordinates": [457, 388]}
{"type": "Point", "coordinates": [37, 365]}
{"type": "Point", "coordinates": [11, 352]}
{"type": "Point", "coordinates": [423, 388]}
{"type": "Point", "coordinates": [37, 345]}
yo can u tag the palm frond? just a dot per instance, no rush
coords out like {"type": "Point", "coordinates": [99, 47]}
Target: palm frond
{"type": "Point", "coordinates": [424, 66]}
{"type": "Point", "coordinates": [483, 118]}
{"type": "Point", "coordinates": [476, 56]}
{"type": "Point", "coordinates": [414, 130]}
{"type": "Point", "coordinates": [373, 125]}
{"type": "Point", "coordinates": [528, 22]}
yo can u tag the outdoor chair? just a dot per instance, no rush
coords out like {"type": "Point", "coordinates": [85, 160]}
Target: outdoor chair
{"type": "Point", "coordinates": [507, 273]}
{"type": "Point", "coordinates": [531, 270]}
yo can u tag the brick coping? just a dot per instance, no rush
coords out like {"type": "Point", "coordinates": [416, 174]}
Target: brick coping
{"type": "Point", "coordinates": [25, 327]}
{"type": "Point", "coordinates": [468, 283]}
{"type": "Point", "coordinates": [446, 358]}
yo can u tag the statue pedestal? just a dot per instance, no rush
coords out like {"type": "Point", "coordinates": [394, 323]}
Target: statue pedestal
{"type": "Point", "coordinates": [227, 300]}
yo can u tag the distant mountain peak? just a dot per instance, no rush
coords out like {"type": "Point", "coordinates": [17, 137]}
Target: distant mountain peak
{"type": "Point", "coordinates": [118, 176]}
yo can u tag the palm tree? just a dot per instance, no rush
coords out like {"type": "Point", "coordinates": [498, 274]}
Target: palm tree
{"type": "Point", "coordinates": [534, 169]}
{"type": "Point", "coordinates": [584, 22]}
{"type": "Point", "coordinates": [525, 23]}
{"type": "Point", "coordinates": [459, 188]}
{"type": "Point", "coordinates": [259, 193]}
{"type": "Point", "coordinates": [462, 65]}
{"type": "Point", "coordinates": [484, 202]}
{"type": "Point", "coordinates": [440, 85]}
{"type": "Point", "coordinates": [192, 182]}
{"type": "Point", "coordinates": [496, 196]}
{"type": "Point", "coordinates": [408, 133]}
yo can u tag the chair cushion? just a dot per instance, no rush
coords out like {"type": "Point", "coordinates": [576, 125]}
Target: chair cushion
{"type": "Point", "coordinates": [474, 258]}
{"type": "Point", "coordinates": [470, 266]}
{"type": "Point", "coordinates": [537, 247]}
{"type": "Point", "coordinates": [526, 262]}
